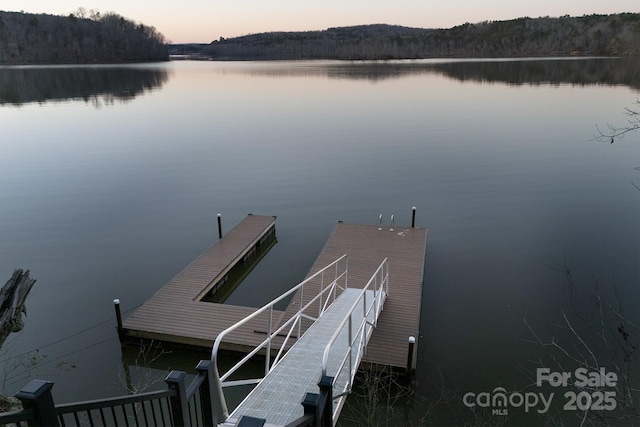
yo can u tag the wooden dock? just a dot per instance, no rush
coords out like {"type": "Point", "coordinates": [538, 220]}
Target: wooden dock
{"type": "Point", "coordinates": [176, 313]}
{"type": "Point", "coordinates": [366, 246]}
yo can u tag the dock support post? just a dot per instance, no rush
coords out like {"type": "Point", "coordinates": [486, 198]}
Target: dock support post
{"type": "Point", "coordinates": [221, 413]}
{"type": "Point", "coordinates": [116, 304]}
{"type": "Point", "coordinates": [219, 226]}
{"type": "Point", "coordinates": [413, 217]}
{"type": "Point", "coordinates": [412, 342]}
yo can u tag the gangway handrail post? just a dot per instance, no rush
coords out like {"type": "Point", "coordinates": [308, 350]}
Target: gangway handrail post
{"type": "Point", "coordinates": [321, 289]}
{"type": "Point", "coordinates": [219, 404]}
{"type": "Point", "coordinates": [386, 279]}
{"type": "Point", "coordinates": [267, 357]}
{"type": "Point", "coordinates": [350, 352]}
{"type": "Point", "coordinates": [346, 277]}
{"type": "Point", "coordinates": [375, 297]}
{"type": "Point", "coordinates": [300, 312]}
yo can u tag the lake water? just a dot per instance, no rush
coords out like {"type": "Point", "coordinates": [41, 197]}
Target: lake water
{"type": "Point", "coordinates": [111, 179]}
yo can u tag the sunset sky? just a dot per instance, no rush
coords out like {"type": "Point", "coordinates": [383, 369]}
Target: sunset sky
{"type": "Point", "coordinates": [204, 21]}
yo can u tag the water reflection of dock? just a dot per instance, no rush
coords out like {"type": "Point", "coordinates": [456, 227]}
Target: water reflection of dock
{"type": "Point", "coordinates": [180, 313]}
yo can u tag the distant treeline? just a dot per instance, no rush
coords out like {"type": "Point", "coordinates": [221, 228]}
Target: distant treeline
{"type": "Point", "coordinates": [77, 39]}
{"type": "Point", "coordinates": [606, 35]}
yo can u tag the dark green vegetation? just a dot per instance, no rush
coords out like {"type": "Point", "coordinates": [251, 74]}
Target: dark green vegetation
{"type": "Point", "coordinates": [607, 35]}
{"type": "Point", "coordinates": [75, 39]}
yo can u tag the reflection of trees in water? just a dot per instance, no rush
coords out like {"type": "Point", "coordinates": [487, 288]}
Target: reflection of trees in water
{"type": "Point", "coordinates": [623, 71]}
{"type": "Point", "coordinates": [607, 71]}
{"type": "Point", "coordinates": [99, 86]}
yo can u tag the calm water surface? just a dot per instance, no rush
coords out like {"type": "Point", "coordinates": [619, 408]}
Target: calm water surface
{"type": "Point", "coordinates": [111, 178]}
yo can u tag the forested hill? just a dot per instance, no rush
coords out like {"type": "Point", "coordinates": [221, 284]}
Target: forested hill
{"type": "Point", "coordinates": [75, 39]}
{"type": "Point", "coordinates": [608, 35]}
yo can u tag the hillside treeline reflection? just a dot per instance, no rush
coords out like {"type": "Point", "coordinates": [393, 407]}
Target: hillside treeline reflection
{"type": "Point", "coordinates": [577, 72]}
{"type": "Point", "coordinates": [592, 71]}
{"type": "Point", "coordinates": [96, 85]}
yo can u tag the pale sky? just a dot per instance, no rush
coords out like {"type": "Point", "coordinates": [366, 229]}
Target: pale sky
{"type": "Point", "coordinates": [203, 21]}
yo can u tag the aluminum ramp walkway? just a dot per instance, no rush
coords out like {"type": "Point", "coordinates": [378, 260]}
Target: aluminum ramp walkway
{"type": "Point", "coordinates": [277, 399]}
{"type": "Point", "coordinates": [332, 346]}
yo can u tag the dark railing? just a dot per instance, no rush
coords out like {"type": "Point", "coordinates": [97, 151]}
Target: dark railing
{"type": "Point", "coordinates": [17, 418]}
{"type": "Point", "coordinates": [178, 405]}
{"type": "Point", "coordinates": [144, 409]}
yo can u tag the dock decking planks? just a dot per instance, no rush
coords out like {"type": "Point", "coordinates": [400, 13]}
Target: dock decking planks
{"type": "Point", "coordinates": [366, 247]}
{"type": "Point", "coordinates": [176, 314]}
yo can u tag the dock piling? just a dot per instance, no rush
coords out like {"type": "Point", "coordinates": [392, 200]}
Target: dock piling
{"type": "Point", "coordinates": [413, 217]}
{"type": "Point", "coordinates": [412, 342]}
{"type": "Point", "coordinates": [219, 226]}
{"type": "Point", "coordinates": [116, 304]}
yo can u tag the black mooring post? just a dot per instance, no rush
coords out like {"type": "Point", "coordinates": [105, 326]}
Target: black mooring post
{"type": "Point", "coordinates": [413, 217]}
{"type": "Point", "coordinates": [116, 304]}
{"type": "Point", "coordinates": [412, 342]}
{"type": "Point", "coordinates": [219, 226]}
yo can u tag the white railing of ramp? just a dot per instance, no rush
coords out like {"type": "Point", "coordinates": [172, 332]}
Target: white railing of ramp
{"type": "Point", "coordinates": [332, 277]}
{"type": "Point", "coordinates": [358, 326]}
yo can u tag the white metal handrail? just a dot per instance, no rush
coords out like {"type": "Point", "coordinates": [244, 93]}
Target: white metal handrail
{"type": "Point", "coordinates": [358, 338]}
{"type": "Point", "coordinates": [336, 272]}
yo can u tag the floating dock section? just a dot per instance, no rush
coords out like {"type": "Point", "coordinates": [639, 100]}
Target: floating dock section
{"type": "Point", "coordinates": [176, 313]}
{"type": "Point", "coordinates": [366, 246]}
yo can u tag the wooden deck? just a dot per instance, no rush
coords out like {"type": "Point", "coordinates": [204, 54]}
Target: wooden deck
{"type": "Point", "coordinates": [177, 314]}
{"type": "Point", "coordinates": [366, 247]}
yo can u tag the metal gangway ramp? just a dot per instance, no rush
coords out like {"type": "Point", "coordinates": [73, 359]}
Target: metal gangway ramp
{"type": "Point", "coordinates": [331, 330]}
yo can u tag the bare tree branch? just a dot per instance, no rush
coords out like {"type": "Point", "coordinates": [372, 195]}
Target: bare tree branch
{"type": "Point", "coordinates": [613, 345]}
{"type": "Point", "coordinates": [616, 132]}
